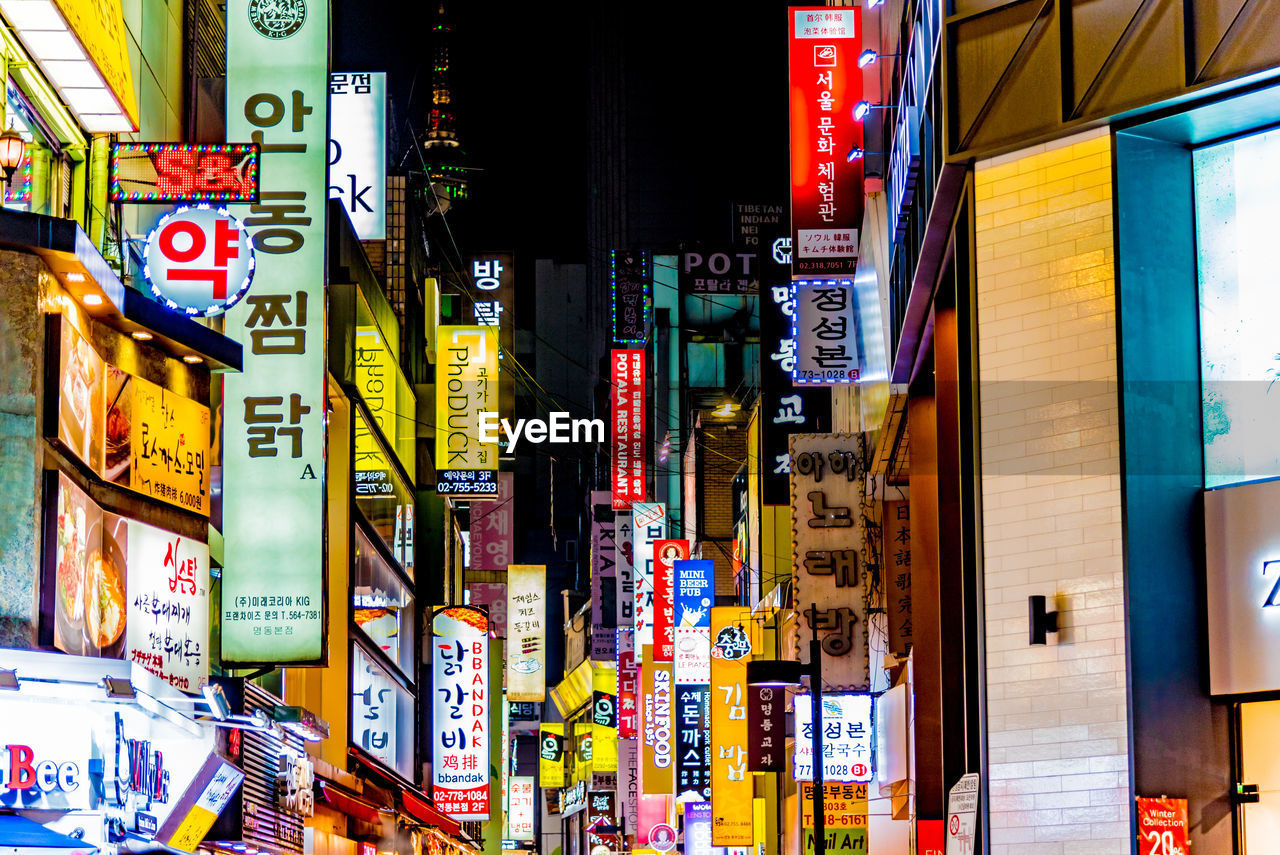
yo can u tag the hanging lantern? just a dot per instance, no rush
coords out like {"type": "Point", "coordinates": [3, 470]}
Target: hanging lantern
{"type": "Point", "coordinates": [12, 149]}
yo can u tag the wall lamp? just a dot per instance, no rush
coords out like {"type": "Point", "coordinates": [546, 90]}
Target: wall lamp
{"type": "Point", "coordinates": [856, 153]}
{"type": "Point", "coordinates": [869, 56]}
{"type": "Point", "coordinates": [861, 109]}
{"type": "Point", "coordinates": [1041, 620]}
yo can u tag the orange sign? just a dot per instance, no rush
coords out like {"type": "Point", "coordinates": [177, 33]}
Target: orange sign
{"type": "Point", "coordinates": [734, 640]}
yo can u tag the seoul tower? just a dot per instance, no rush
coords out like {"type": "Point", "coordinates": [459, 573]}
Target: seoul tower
{"type": "Point", "coordinates": [445, 160]}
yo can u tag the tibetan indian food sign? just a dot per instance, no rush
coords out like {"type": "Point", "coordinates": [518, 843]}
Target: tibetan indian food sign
{"type": "Point", "coordinates": [628, 427]}
{"type": "Point", "coordinates": [826, 184]}
{"type": "Point", "coordinates": [827, 475]}
{"type": "Point", "coordinates": [734, 639]}
{"type": "Point", "coordinates": [460, 658]}
{"type": "Point", "coordinates": [274, 428]}
{"type": "Point", "coordinates": [526, 632]}
{"type": "Point", "coordinates": [466, 386]}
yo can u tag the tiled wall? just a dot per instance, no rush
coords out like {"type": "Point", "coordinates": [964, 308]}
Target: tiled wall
{"type": "Point", "coordinates": [1057, 719]}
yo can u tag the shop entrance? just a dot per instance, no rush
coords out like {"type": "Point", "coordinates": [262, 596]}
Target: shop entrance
{"type": "Point", "coordinates": [1260, 755]}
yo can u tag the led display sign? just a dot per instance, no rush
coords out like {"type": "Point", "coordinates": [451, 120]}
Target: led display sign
{"type": "Point", "coordinates": [153, 173]}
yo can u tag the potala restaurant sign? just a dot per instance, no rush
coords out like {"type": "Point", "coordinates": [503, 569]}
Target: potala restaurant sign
{"type": "Point", "coordinates": [198, 260]}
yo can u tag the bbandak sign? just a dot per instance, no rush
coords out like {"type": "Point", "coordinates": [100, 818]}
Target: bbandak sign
{"type": "Point", "coordinates": [198, 260]}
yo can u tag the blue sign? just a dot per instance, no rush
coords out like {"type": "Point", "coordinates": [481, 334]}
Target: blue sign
{"type": "Point", "coordinates": [697, 830]}
{"type": "Point", "coordinates": [695, 592]}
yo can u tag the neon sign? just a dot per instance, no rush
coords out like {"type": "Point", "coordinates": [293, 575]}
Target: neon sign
{"type": "Point", "coordinates": [183, 172]}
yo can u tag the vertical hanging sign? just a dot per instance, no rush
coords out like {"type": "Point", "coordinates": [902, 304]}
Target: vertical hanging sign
{"type": "Point", "coordinates": [650, 520]}
{"type": "Point", "coordinates": [460, 658]}
{"type": "Point", "coordinates": [628, 427]}
{"type": "Point", "coordinates": [657, 743]}
{"type": "Point", "coordinates": [825, 333]}
{"type": "Point", "coordinates": [466, 386]}
{"type": "Point", "coordinates": [734, 639]}
{"type": "Point", "coordinates": [358, 149]}
{"type": "Point", "coordinates": [273, 414]}
{"type": "Point", "coordinates": [826, 184]}
{"type": "Point", "coordinates": [897, 560]}
{"type": "Point", "coordinates": [629, 295]}
{"type": "Point", "coordinates": [665, 555]}
{"type": "Point", "coordinates": [526, 632]}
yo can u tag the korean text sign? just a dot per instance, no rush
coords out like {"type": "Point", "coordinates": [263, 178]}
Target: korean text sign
{"type": "Point", "coordinates": [460, 658]}
{"type": "Point", "coordinates": [657, 743]}
{"type": "Point", "coordinates": [846, 738]}
{"type": "Point", "coordinates": [827, 542]}
{"type": "Point", "coordinates": [665, 555]}
{"type": "Point", "coordinates": [520, 807]}
{"type": "Point", "coordinates": [526, 632]}
{"type": "Point", "coordinates": [551, 756]}
{"type": "Point", "coordinates": [825, 332]}
{"type": "Point", "coordinates": [492, 547]}
{"type": "Point", "coordinates": [274, 429]}
{"type": "Point", "coordinates": [650, 521]}
{"type": "Point", "coordinates": [826, 186]}
{"type": "Point", "coordinates": [628, 374]}
{"type": "Point", "coordinates": [358, 149]}
{"type": "Point", "coordinates": [466, 385]}
{"type": "Point", "coordinates": [629, 295]}
{"type": "Point", "coordinates": [627, 700]}
{"type": "Point", "coordinates": [734, 640]}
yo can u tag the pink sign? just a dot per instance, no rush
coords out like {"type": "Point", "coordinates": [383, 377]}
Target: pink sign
{"type": "Point", "coordinates": [492, 547]}
{"type": "Point", "coordinates": [492, 596]}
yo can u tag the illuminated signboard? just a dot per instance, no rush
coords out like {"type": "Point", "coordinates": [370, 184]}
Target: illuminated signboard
{"type": "Point", "coordinates": [493, 530]}
{"type": "Point", "coordinates": [665, 555]}
{"type": "Point", "coordinates": [274, 409]}
{"type": "Point", "coordinates": [846, 738]}
{"type": "Point", "coordinates": [467, 482]}
{"type": "Point", "coordinates": [734, 639]}
{"type": "Point", "coordinates": [629, 275]}
{"type": "Point", "coordinates": [358, 149]}
{"type": "Point", "coordinates": [628, 427]}
{"type": "Point", "coordinates": [526, 632]}
{"type": "Point", "coordinates": [520, 807]}
{"type": "Point", "coordinates": [657, 744]}
{"type": "Point", "coordinates": [183, 172]}
{"type": "Point", "coordinates": [494, 276]}
{"type": "Point", "coordinates": [467, 384]}
{"type": "Point", "coordinates": [826, 185]}
{"type": "Point", "coordinates": [551, 756]}
{"type": "Point", "coordinates": [825, 332]}
{"type": "Point", "coordinates": [460, 655]}
{"type": "Point", "coordinates": [650, 521]}
{"type": "Point", "coordinates": [198, 261]}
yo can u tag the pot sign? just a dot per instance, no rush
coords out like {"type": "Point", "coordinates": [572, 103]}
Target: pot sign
{"type": "Point", "coordinates": [199, 260]}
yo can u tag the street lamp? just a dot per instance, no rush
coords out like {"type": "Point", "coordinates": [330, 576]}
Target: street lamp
{"type": "Point", "coordinates": [12, 148]}
{"type": "Point", "coordinates": [777, 673]}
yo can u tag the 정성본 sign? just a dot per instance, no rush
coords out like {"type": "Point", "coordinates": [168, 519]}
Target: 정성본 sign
{"type": "Point", "coordinates": [460, 657]}
{"type": "Point", "coordinates": [150, 173]}
{"type": "Point", "coordinates": [274, 409]}
{"type": "Point", "coordinates": [826, 184]}
{"type": "Point", "coordinates": [846, 738]}
{"type": "Point", "coordinates": [824, 332]}
{"type": "Point", "coordinates": [358, 149]}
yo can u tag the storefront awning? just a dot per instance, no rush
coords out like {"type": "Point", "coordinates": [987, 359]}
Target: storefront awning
{"type": "Point", "coordinates": [574, 692]}
{"type": "Point", "coordinates": [428, 814]}
{"type": "Point", "coordinates": [346, 803]}
{"type": "Point", "coordinates": [22, 833]}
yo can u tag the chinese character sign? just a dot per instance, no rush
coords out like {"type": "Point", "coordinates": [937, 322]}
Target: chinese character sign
{"type": "Point", "coordinates": [629, 276]}
{"type": "Point", "coordinates": [520, 807]}
{"type": "Point", "coordinates": [826, 184]}
{"type": "Point", "coordinates": [466, 386]}
{"type": "Point", "coordinates": [767, 719]}
{"type": "Point", "coordinates": [825, 332]}
{"type": "Point", "coordinates": [827, 482]}
{"type": "Point", "coordinates": [492, 546]}
{"type": "Point", "coordinates": [897, 563]}
{"type": "Point", "coordinates": [358, 149]}
{"type": "Point", "coordinates": [657, 744]}
{"type": "Point", "coordinates": [526, 632]}
{"type": "Point", "coordinates": [628, 374]}
{"type": "Point", "coordinates": [734, 640]}
{"type": "Point", "coordinates": [846, 738]}
{"type": "Point", "coordinates": [273, 428]}
{"type": "Point", "coordinates": [460, 762]}
{"type": "Point", "coordinates": [665, 555]}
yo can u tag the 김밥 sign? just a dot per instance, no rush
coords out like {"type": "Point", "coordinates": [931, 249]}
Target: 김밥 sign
{"type": "Point", "coordinates": [358, 149]}
{"type": "Point", "coordinates": [526, 632]}
{"type": "Point", "coordinates": [628, 427]}
{"type": "Point", "coordinates": [826, 186]}
{"type": "Point", "coordinates": [183, 172]}
{"type": "Point", "coordinates": [846, 738]}
{"type": "Point", "coordinates": [126, 590]}
{"type": "Point", "coordinates": [466, 385]}
{"type": "Point", "coordinates": [274, 429]}
{"type": "Point", "coordinates": [734, 639]}
{"type": "Point", "coordinates": [824, 332]}
{"type": "Point", "coordinates": [198, 260]}
{"type": "Point", "coordinates": [460, 655]}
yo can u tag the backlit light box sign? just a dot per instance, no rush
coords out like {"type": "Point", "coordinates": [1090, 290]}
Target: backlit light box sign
{"type": "Point", "coordinates": [628, 393]}
{"type": "Point", "coordinates": [825, 332]}
{"type": "Point", "coordinates": [199, 260]}
{"type": "Point", "coordinates": [846, 738]}
{"type": "Point", "coordinates": [183, 172]}
{"type": "Point", "coordinates": [466, 385]}
{"type": "Point", "coordinates": [526, 632]}
{"type": "Point", "coordinates": [358, 149]}
{"type": "Point", "coordinates": [460, 659]}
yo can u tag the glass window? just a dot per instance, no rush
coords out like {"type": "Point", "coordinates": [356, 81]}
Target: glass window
{"type": "Point", "coordinates": [381, 714]}
{"type": "Point", "coordinates": [382, 604]}
{"type": "Point", "coordinates": [1237, 200]}
{"type": "Point", "coordinates": [382, 496]}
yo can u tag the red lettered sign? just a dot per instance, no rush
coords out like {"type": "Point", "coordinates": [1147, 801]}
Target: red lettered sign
{"type": "Point", "coordinates": [628, 375]}
{"type": "Point", "coordinates": [665, 555]}
{"type": "Point", "coordinates": [183, 172]}
{"type": "Point", "coordinates": [199, 260]}
{"type": "Point", "coordinates": [826, 184]}
{"type": "Point", "coordinates": [1162, 827]}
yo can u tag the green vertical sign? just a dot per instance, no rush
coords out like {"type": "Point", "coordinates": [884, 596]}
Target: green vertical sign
{"type": "Point", "coordinates": [273, 412]}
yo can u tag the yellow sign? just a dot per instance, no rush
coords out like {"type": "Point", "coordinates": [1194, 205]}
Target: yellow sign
{"type": "Point", "coordinates": [604, 749]}
{"type": "Point", "coordinates": [376, 381]}
{"type": "Point", "coordinates": [168, 446]}
{"type": "Point", "coordinates": [466, 386]}
{"type": "Point", "coordinates": [551, 756]}
{"type": "Point", "coordinates": [99, 25]}
{"type": "Point", "coordinates": [657, 726]}
{"type": "Point", "coordinates": [734, 640]}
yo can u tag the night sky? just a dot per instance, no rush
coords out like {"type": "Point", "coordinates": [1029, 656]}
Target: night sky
{"type": "Point", "coordinates": [708, 110]}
